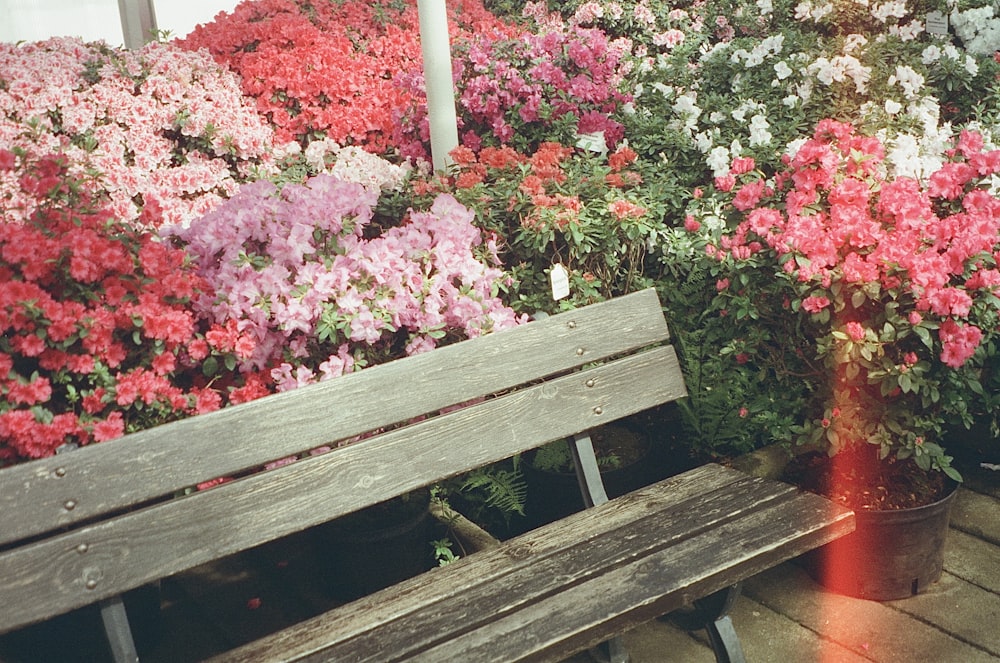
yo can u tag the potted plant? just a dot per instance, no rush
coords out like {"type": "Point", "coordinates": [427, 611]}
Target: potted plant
{"type": "Point", "coordinates": [888, 284]}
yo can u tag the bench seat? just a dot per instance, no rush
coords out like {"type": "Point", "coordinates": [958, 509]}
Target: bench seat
{"type": "Point", "coordinates": [569, 585]}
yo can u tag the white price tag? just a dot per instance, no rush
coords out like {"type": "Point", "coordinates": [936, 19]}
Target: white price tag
{"type": "Point", "coordinates": [594, 142]}
{"type": "Point", "coordinates": [936, 23]}
{"type": "Point", "coordinates": [560, 282]}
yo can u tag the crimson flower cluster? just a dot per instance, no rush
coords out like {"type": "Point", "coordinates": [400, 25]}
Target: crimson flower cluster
{"type": "Point", "coordinates": [328, 69]}
{"type": "Point", "coordinates": [97, 335]}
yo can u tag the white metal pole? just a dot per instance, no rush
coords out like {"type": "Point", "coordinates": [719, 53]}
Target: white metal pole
{"type": "Point", "coordinates": [436, 48]}
{"type": "Point", "coordinates": [138, 21]}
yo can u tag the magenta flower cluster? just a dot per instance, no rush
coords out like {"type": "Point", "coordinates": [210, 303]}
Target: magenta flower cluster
{"type": "Point", "coordinates": [534, 87]}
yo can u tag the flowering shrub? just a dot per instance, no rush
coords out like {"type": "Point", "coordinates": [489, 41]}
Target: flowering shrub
{"type": "Point", "coordinates": [892, 281]}
{"type": "Point", "coordinates": [167, 129]}
{"type": "Point", "coordinates": [294, 270]}
{"type": "Point", "coordinates": [98, 338]}
{"type": "Point", "coordinates": [329, 69]}
{"type": "Point", "coordinates": [748, 80]}
{"type": "Point", "coordinates": [548, 84]}
{"type": "Point", "coordinates": [558, 205]}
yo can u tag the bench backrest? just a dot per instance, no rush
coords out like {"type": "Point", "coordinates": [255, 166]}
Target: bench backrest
{"type": "Point", "coordinates": [83, 526]}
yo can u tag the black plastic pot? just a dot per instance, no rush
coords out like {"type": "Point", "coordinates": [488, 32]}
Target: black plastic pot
{"type": "Point", "coordinates": [376, 548]}
{"type": "Point", "coordinates": [892, 554]}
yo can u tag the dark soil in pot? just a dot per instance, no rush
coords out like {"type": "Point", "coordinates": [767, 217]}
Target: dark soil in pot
{"type": "Point", "coordinates": [859, 481]}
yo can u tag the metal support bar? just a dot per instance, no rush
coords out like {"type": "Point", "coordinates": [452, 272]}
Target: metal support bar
{"type": "Point", "coordinates": [587, 471]}
{"type": "Point", "coordinates": [612, 651]}
{"type": "Point", "coordinates": [592, 489]}
{"type": "Point", "coordinates": [117, 630]}
{"type": "Point", "coordinates": [138, 22]}
{"type": "Point", "coordinates": [725, 643]}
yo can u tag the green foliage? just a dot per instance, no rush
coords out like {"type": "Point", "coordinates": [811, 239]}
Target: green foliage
{"type": "Point", "coordinates": [501, 488]}
{"type": "Point", "coordinates": [443, 553]}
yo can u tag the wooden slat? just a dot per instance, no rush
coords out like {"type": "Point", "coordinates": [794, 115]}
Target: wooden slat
{"type": "Point", "coordinates": [51, 575]}
{"type": "Point", "coordinates": [131, 470]}
{"type": "Point", "coordinates": [586, 614]}
{"type": "Point", "coordinates": [466, 574]}
{"type": "Point", "coordinates": [659, 546]}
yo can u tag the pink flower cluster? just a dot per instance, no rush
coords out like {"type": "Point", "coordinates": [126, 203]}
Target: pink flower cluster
{"type": "Point", "coordinates": [169, 130]}
{"type": "Point", "coordinates": [96, 328]}
{"type": "Point", "coordinates": [883, 287]}
{"type": "Point", "coordinates": [935, 244]}
{"type": "Point", "coordinates": [291, 269]}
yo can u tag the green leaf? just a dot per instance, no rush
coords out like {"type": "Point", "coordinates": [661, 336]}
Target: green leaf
{"type": "Point", "coordinates": [210, 366]}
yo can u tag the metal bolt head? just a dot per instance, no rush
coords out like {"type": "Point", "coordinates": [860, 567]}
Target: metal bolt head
{"type": "Point", "coordinates": [91, 584]}
{"type": "Point", "coordinates": [60, 471]}
{"type": "Point", "coordinates": [82, 548]}
{"type": "Point", "coordinates": [69, 505]}
{"type": "Point", "coordinates": [591, 382]}
{"type": "Point", "coordinates": [571, 324]}
{"type": "Point", "coordinates": [598, 410]}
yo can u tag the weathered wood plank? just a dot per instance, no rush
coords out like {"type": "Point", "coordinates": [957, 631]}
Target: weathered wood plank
{"type": "Point", "coordinates": [585, 614]}
{"type": "Point", "coordinates": [104, 559]}
{"type": "Point", "coordinates": [128, 471]}
{"type": "Point", "coordinates": [660, 532]}
{"type": "Point", "coordinates": [410, 596]}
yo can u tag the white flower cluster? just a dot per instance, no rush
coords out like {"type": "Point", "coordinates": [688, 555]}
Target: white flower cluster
{"type": "Point", "coordinates": [806, 10]}
{"type": "Point", "coordinates": [352, 164]}
{"type": "Point", "coordinates": [910, 155]}
{"type": "Point", "coordinates": [978, 28]}
{"type": "Point", "coordinates": [909, 80]}
{"type": "Point", "coordinates": [933, 54]}
{"type": "Point", "coordinates": [892, 9]}
{"type": "Point", "coordinates": [769, 46]}
{"type": "Point", "coordinates": [687, 111]}
{"type": "Point", "coordinates": [839, 69]}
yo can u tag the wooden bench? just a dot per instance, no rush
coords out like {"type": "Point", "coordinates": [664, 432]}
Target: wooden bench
{"type": "Point", "coordinates": [86, 526]}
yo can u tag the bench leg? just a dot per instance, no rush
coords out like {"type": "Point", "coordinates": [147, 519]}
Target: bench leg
{"type": "Point", "coordinates": [117, 630]}
{"type": "Point", "coordinates": [725, 643]}
{"type": "Point", "coordinates": [587, 471]}
{"type": "Point", "coordinates": [592, 489]}
{"type": "Point", "coordinates": [612, 651]}
{"type": "Point", "coordinates": [712, 614]}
